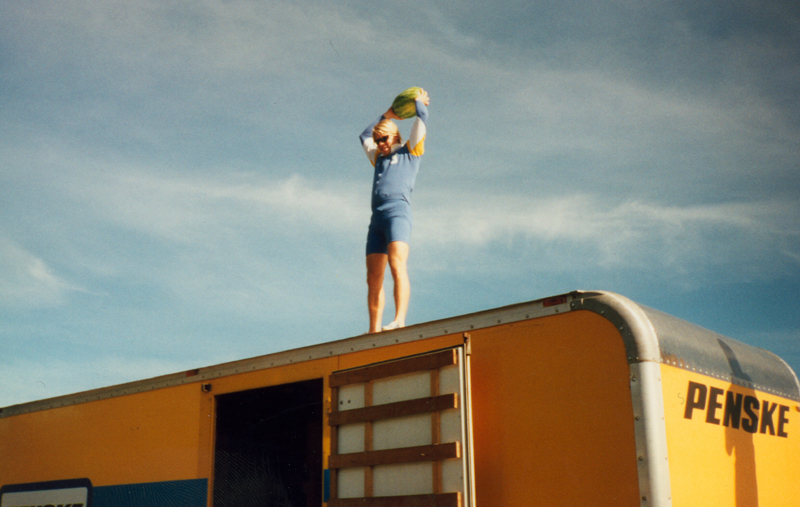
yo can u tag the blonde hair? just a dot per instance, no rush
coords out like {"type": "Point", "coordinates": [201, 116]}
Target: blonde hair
{"type": "Point", "coordinates": [388, 128]}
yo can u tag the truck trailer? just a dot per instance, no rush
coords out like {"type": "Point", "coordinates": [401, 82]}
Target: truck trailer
{"type": "Point", "coordinates": [580, 399]}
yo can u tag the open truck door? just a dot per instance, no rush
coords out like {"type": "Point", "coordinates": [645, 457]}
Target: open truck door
{"type": "Point", "coordinates": [400, 433]}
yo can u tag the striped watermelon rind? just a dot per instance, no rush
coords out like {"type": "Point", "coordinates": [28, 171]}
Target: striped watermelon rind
{"type": "Point", "coordinates": [404, 105]}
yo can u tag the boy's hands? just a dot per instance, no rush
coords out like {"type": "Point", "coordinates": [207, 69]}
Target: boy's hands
{"type": "Point", "coordinates": [423, 96]}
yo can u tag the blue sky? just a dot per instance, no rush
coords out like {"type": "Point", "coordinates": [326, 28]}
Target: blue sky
{"type": "Point", "coordinates": [181, 182]}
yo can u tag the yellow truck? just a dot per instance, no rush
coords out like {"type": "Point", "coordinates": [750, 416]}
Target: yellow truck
{"type": "Point", "coordinates": [580, 399]}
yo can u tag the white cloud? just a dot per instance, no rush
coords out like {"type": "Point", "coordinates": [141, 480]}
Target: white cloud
{"type": "Point", "coordinates": [196, 208]}
{"type": "Point", "coordinates": [240, 238]}
{"type": "Point", "coordinates": [237, 244]}
{"type": "Point", "coordinates": [27, 280]}
{"type": "Point", "coordinates": [631, 235]}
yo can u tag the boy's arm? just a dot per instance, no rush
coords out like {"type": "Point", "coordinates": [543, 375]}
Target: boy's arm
{"type": "Point", "coordinates": [416, 140]}
{"type": "Point", "coordinates": [369, 145]}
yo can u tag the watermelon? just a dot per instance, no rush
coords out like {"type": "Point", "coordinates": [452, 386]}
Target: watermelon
{"type": "Point", "coordinates": [404, 104]}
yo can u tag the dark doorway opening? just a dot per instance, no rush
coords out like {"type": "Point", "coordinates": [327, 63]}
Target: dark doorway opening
{"type": "Point", "coordinates": [269, 447]}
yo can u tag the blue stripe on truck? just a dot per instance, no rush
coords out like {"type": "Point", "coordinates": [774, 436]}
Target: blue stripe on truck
{"type": "Point", "coordinates": [189, 493]}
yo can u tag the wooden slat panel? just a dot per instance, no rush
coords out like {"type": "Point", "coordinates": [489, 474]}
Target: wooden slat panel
{"type": "Point", "coordinates": [379, 371]}
{"type": "Point", "coordinates": [442, 500]}
{"type": "Point", "coordinates": [436, 435]}
{"type": "Point", "coordinates": [392, 456]}
{"type": "Point", "coordinates": [392, 410]}
{"type": "Point", "coordinates": [368, 479]}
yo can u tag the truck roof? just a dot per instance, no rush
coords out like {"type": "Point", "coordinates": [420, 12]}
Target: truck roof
{"type": "Point", "coordinates": [649, 336]}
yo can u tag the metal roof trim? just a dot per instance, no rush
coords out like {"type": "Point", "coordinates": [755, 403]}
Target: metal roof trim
{"type": "Point", "coordinates": [651, 335]}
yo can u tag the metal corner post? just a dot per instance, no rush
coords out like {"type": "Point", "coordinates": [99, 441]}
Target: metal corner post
{"type": "Point", "coordinates": [651, 435]}
{"type": "Point", "coordinates": [647, 396]}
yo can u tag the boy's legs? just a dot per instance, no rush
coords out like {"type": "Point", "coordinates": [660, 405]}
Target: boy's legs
{"type": "Point", "coordinates": [398, 263]}
{"type": "Point", "coordinates": [376, 266]}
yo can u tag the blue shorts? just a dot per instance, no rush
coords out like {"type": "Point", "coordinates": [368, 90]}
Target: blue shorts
{"type": "Point", "coordinates": [391, 221]}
